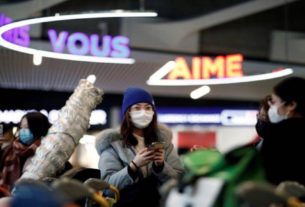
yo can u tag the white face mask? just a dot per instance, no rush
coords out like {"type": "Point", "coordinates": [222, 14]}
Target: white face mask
{"type": "Point", "coordinates": [142, 118]}
{"type": "Point", "coordinates": [274, 116]}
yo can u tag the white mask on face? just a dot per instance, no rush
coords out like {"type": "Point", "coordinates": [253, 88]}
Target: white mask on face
{"type": "Point", "coordinates": [142, 118]}
{"type": "Point", "coordinates": [274, 116]}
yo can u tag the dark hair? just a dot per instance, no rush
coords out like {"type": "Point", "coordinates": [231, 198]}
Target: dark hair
{"type": "Point", "coordinates": [150, 132]}
{"type": "Point", "coordinates": [263, 108]}
{"type": "Point", "coordinates": [6, 128]}
{"type": "Point", "coordinates": [289, 90]}
{"type": "Point", "coordinates": [264, 104]}
{"type": "Point", "coordinates": [38, 124]}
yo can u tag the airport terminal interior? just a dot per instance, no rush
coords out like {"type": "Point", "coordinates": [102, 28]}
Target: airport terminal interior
{"type": "Point", "coordinates": [207, 64]}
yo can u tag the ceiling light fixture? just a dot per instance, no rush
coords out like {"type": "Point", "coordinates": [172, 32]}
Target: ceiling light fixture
{"type": "Point", "coordinates": [199, 92]}
{"type": "Point", "coordinates": [91, 78]}
{"type": "Point", "coordinates": [156, 78]}
{"type": "Point", "coordinates": [37, 59]}
{"type": "Point", "coordinates": [58, 17]}
{"type": "Point", "coordinates": [163, 71]}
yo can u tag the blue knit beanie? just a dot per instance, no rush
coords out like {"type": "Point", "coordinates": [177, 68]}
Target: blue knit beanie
{"type": "Point", "coordinates": [35, 194]}
{"type": "Point", "coordinates": [133, 96]}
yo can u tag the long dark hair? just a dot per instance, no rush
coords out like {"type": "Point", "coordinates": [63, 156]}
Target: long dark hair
{"type": "Point", "coordinates": [150, 132]}
{"type": "Point", "coordinates": [38, 124]}
{"type": "Point", "coordinates": [289, 90]}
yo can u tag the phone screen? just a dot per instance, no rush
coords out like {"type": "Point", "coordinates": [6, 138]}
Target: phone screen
{"type": "Point", "coordinates": [156, 145]}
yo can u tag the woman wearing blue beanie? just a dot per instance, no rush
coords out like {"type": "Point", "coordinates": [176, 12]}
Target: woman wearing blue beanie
{"type": "Point", "coordinates": [129, 159]}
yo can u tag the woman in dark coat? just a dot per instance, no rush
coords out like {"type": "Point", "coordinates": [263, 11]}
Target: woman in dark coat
{"type": "Point", "coordinates": [284, 136]}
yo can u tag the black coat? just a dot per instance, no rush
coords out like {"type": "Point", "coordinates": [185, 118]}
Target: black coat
{"type": "Point", "coordinates": [283, 150]}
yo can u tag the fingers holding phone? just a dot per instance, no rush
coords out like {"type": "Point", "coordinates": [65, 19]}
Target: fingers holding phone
{"type": "Point", "coordinates": [158, 149]}
{"type": "Point", "coordinates": [143, 157]}
{"type": "Point", "coordinates": [159, 157]}
{"type": "Point", "coordinates": [156, 146]}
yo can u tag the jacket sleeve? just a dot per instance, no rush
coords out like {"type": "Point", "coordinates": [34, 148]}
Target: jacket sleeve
{"type": "Point", "coordinates": [172, 165]}
{"type": "Point", "coordinates": [113, 170]}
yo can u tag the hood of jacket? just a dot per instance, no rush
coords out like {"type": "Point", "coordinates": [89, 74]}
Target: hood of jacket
{"type": "Point", "coordinates": [105, 138]}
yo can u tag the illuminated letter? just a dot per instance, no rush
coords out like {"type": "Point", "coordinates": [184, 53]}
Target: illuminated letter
{"type": "Point", "coordinates": [233, 65]}
{"type": "Point", "coordinates": [120, 47]}
{"type": "Point", "coordinates": [22, 36]}
{"type": "Point", "coordinates": [19, 35]}
{"type": "Point", "coordinates": [211, 68]}
{"type": "Point", "coordinates": [196, 67]}
{"type": "Point", "coordinates": [58, 43]}
{"type": "Point", "coordinates": [10, 33]}
{"type": "Point", "coordinates": [105, 48]}
{"type": "Point", "coordinates": [181, 70]}
{"type": "Point", "coordinates": [84, 44]}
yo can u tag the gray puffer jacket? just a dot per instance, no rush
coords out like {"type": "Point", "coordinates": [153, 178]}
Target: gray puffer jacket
{"type": "Point", "coordinates": [115, 158]}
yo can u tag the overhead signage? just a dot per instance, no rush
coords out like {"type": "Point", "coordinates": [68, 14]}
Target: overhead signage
{"type": "Point", "coordinates": [113, 50]}
{"type": "Point", "coordinates": [18, 35]}
{"type": "Point", "coordinates": [207, 67]}
{"type": "Point", "coordinates": [205, 70]}
{"type": "Point", "coordinates": [81, 44]}
{"type": "Point", "coordinates": [207, 116]}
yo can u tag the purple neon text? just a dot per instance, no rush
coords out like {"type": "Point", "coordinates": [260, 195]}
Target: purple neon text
{"type": "Point", "coordinates": [81, 44]}
{"type": "Point", "coordinates": [19, 36]}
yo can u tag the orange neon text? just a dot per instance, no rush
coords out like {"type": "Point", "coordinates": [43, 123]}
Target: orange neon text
{"type": "Point", "coordinates": [207, 67]}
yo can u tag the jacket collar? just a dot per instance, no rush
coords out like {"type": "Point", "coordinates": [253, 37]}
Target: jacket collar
{"type": "Point", "coordinates": [105, 138]}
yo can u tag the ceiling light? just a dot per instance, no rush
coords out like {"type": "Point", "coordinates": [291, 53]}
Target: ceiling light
{"type": "Point", "coordinates": [58, 17]}
{"type": "Point", "coordinates": [199, 92]}
{"type": "Point", "coordinates": [163, 71]}
{"type": "Point", "coordinates": [91, 78]}
{"type": "Point", "coordinates": [37, 59]}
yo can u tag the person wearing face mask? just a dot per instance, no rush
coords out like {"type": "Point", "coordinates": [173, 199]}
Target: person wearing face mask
{"type": "Point", "coordinates": [262, 120]}
{"type": "Point", "coordinates": [127, 162]}
{"type": "Point", "coordinates": [33, 126]}
{"type": "Point", "coordinates": [284, 134]}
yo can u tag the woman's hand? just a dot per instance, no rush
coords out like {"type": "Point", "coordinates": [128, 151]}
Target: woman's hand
{"type": "Point", "coordinates": [159, 157]}
{"type": "Point", "coordinates": [143, 157]}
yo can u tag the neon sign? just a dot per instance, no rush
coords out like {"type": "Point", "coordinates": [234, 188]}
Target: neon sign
{"type": "Point", "coordinates": [81, 44]}
{"type": "Point", "coordinates": [207, 71]}
{"type": "Point", "coordinates": [18, 35]}
{"type": "Point", "coordinates": [43, 53]}
{"type": "Point", "coordinates": [206, 67]}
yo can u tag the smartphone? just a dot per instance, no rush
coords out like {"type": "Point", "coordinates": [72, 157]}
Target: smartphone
{"type": "Point", "coordinates": [156, 145]}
